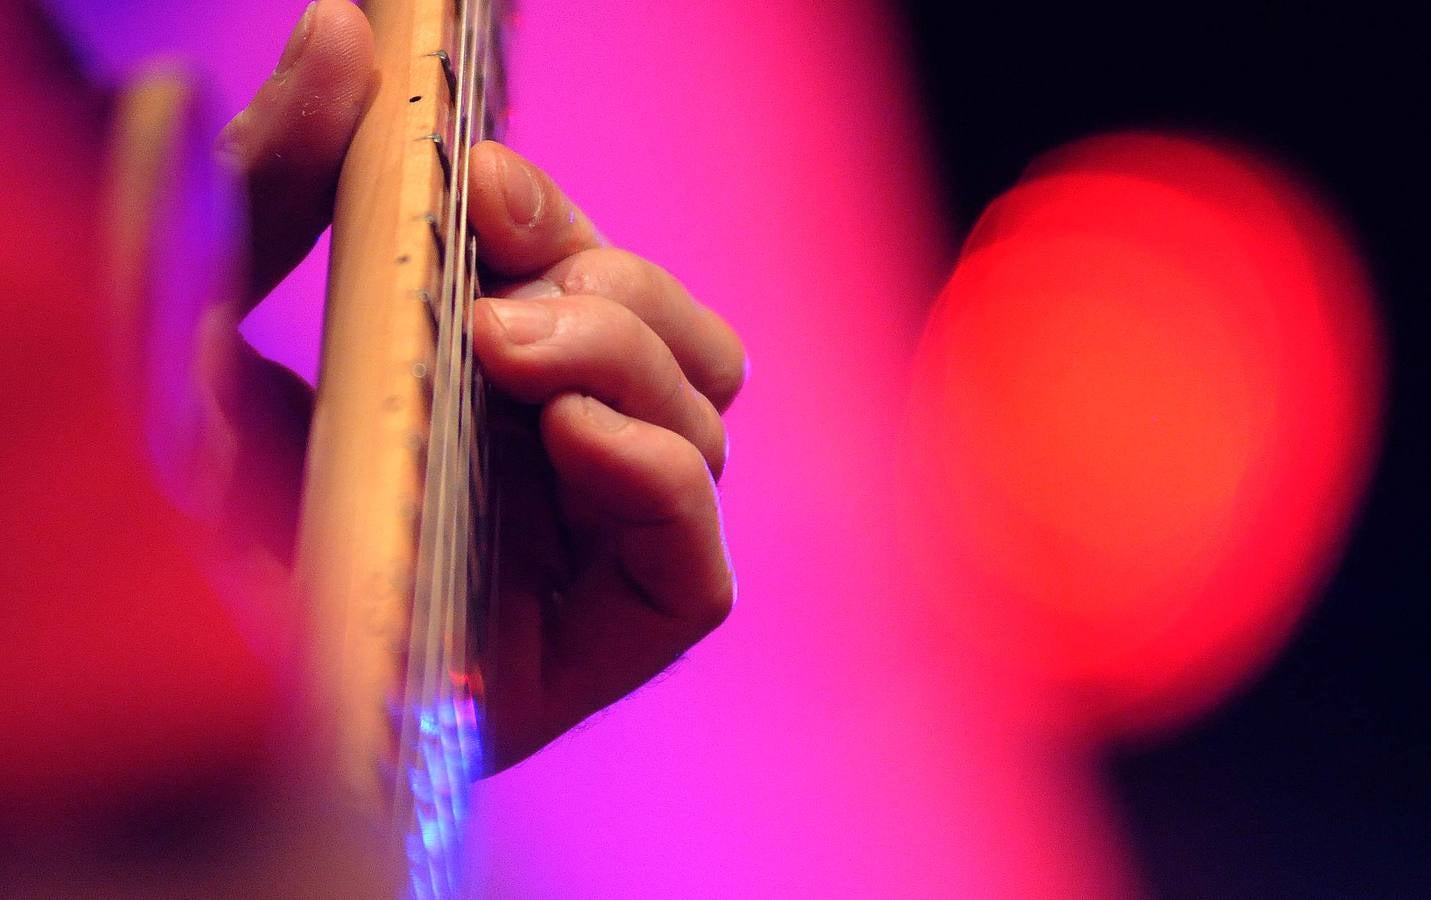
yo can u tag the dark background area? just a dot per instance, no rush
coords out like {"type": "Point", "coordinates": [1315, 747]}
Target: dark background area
{"type": "Point", "coordinates": [1316, 780]}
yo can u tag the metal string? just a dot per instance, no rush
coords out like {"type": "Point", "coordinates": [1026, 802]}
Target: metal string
{"type": "Point", "coordinates": [439, 748]}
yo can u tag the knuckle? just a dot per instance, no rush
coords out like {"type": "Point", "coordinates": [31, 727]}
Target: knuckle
{"type": "Point", "coordinates": [719, 452]}
{"type": "Point", "coordinates": [603, 327]}
{"type": "Point", "coordinates": [617, 274]}
{"type": "Point", "coordinates": [711, 434]}
{"type": "Point", "coordinates": [727, 378]}
{"type": "Point", "coordinates": [670, 395]}
{"type": "Point", "coordinates": [690, 479]}
{"type": "Point", "coordinates": [586, 272]}
{"type": "Point", "coordinates": [577, 274]}
{"type": "Point", "coordinates": [711, 612]}
{"type": "Point", "coordinates": [644, 367]}
{"type": "Point", "coordinates": [687, 491]}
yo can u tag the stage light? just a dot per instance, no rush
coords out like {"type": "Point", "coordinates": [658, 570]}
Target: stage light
{"type": "Point", "coordinates": [1146, 401]}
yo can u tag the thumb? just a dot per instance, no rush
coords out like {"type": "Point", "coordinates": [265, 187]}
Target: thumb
{"type": "Point", "coordinates": [223, 429]}
{"type": "Point", "coordinates": [287, 146]}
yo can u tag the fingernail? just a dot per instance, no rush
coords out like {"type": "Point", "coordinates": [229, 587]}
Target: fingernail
{"type": "Point", "coordinates": [296, 42]}
{"type": "Point", "coordinates": [537, 289]}
{"type": "Point", "coordinates": [524, 322]}
{"type": "Point", "coordinates": [523, 193]}
{"type": "Point", "coordinates": [603, 416]}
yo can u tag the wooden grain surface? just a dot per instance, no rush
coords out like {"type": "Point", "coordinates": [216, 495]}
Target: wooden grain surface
{"type": "Point", "coordinates": [367, 449]}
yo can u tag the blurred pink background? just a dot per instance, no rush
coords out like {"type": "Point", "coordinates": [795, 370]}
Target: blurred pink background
{"type": "Point", "coordinates": [838, 737]}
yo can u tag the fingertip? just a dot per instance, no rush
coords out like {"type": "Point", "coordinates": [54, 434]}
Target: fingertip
{"type": "Point", "coordinates": [338, 60]}
{"type": "Point", "coordinates": [580, 429]}
{"type": "Point", "coordinates": [309, 106]}
{"type": "Point", "coordinates": [727, 368]}
{"type": "Point", "coordinates": [289, 143]}
{"type": "Point", "coordinates": [506, 339]}
{"type": "Point", "coordinates": [707, 348]}
{"type": "Point", "coordinates": [523, 192]}
{"type": "Point", "coordinates": [601, 418]}
{"type": "Point", "coordinates": [342, 32]}
{"type": "Point", "coordinates": [524, 221]}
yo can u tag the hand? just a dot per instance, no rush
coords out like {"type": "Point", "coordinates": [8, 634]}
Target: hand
{"type": "Point", "coordinates": [613, 562]}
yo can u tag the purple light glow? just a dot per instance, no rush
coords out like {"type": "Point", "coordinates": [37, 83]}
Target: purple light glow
{"type": "Point", "coordinates": [832, 739]}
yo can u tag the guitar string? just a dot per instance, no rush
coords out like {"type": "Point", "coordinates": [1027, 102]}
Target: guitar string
{"type": "Point", "coordinates": [445, 783]}
{"type": "Point", "coordinates": [476, 611]}
{"type": "Point", "coordinates": [441, 697]}
{"type": "Point", "coordinates": [449, 697]}
{"type": "Point", "coordinates": [461, 447]}
{"type": "Point", "coordinates": [428, 569]}
{"type": "Point", "coordinates": [428, 784]}
{"type": "Point", "coordinates": [477, 579]}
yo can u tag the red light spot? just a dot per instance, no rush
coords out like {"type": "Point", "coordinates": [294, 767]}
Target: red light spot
{"type": "Point", "coordinates": [1147, 394]}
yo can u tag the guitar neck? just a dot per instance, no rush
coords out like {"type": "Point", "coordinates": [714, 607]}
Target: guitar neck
{"type": "Point", "coordinates": [366, 460]}
{"type": "Point", "coordinates": [390, 538]}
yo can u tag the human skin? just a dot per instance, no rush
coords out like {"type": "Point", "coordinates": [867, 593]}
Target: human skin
{"type": "Point", "coordinates": [623, 565]}
{"type": "Point", "coordinates": [628, 477]}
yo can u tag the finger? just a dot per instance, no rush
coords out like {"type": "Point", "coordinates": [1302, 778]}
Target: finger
{"type": "Point", "coordinates": [289, 143]}
{"type": "Point", "coordinates": [708, 349]}
{"type": "Point", "coordinates": [219, 420]}
{"type": "Point", "coordinates": [262, 415]}
{"type": "Point", "coordinates": [660, 583]}
{"type": "Point", "coordinates": [524, 223]}
{"type": "Point", "coordinates": [656, 574]}
{"type": "Point", "coordinates": [653, 488]}
{"type": "Point", "coordinates": [537, 349]}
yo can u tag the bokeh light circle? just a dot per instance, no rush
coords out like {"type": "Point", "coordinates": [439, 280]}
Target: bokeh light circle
{"type": "Point", "coordinates": [1145, 406]}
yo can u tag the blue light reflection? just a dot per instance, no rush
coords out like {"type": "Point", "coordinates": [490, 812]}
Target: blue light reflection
{"type": "Point", "coordinates": [446, 762]}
